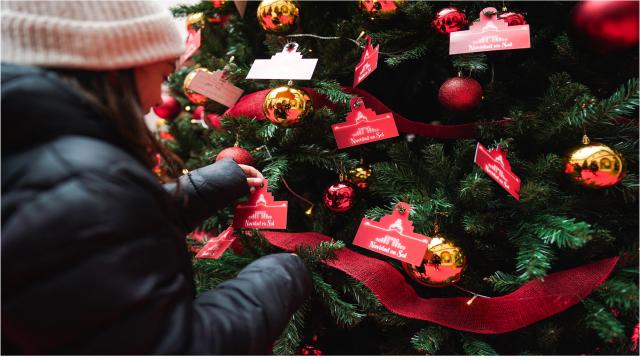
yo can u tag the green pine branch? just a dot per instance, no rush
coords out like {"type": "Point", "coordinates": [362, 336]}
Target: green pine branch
{"type": "Point", "coordinates": [561, 231]}
{"type": "Point", "coordinates": [533, 259]}
{"type": "Point", "coordinates": [412, 54]}
{"type": "Point", "coordinates": [619, 292]}
{"type": "Point", "coordinates": [503, 282]}
{"type": "Point", "coordinates": [291, 337]}
{"type": "Point", "coordinates": [430, 339]}
{"type": "Point", "coordinates": [473, 345]}
{"type": "Point", "coordinates": [474, 62]}
{"type": "Point", "coordinates": [343, 313]}
{"type": "Point", "coordinates": [600, 319]}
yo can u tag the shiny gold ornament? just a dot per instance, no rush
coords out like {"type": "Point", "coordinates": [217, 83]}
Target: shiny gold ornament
{"type": "Point", "coordinates": [196, 19]}
{"type": "Point", "coordinates": [595, 166]}
{"type": "Point", "coordinates": [443, 264]}
{"type": "Point", "coordinates": [286, 106]}
{"type": "Point", "coordinates": [360, 176]}
{"type": "Point", "coordinates": [380, 9]}
{"type": "Point", "coordinates": [193, 96]}
{"type": "Point", "coordinates": [278, 16]}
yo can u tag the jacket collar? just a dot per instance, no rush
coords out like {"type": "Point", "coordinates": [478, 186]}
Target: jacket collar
{"type": "Point", "coordinates": [38, 107]}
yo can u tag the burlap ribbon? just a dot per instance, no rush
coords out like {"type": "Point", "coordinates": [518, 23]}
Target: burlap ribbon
{"type": "Point", "coordinates": [532, 302]}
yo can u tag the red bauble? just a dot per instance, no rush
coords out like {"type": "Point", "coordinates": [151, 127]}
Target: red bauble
{"type": "Point", "coordinates": [449, 20]}
{"type": "Point", "coordinates": [460, 94]}
{"type": "Point", "coordinates": [607, 25]}
{"type": "Point", "coordinates": [169, 109]}
{"type": "Point", "coordinates": [340, 197]}
{"type": "Point", "coordinates": [309, 350]}
{"type": "Point", "coordinates": [238, 154]}
{"type": "Point", "coordinates": [218, 4]}
{"type": "Point", "coordinates": [512, 18]}
{"type": "Point", "coordinates": [198, 113]}
{"type": "Point", "coordinates": [213, 120]}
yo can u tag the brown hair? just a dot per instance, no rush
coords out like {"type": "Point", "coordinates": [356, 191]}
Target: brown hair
{"type": "Point", "coordinates": [114, 94]}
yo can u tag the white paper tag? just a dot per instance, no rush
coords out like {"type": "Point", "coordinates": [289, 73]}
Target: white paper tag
{"type": "Point", "coordinates": [215, 87]}
{"type": "Point", "coordinates": [287, 65]}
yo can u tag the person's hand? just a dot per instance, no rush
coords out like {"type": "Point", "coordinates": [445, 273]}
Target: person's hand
{"type": "Point", "coordinates": [254, 177]}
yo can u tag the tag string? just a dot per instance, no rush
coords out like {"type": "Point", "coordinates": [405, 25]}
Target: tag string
{"type": "Point", "coordinates": [475, 295]}
{"type": "Point", "coordinates": [308, 212]}
{"type": "Point", "coordinates": [341, 38]}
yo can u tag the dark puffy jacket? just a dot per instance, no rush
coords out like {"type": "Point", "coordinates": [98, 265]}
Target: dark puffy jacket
{"type": "Point", "coordinates": [93, 252]}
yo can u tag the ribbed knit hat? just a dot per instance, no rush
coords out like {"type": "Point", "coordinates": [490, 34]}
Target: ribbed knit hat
{"type": "Point", "coordinates": [93, 35]}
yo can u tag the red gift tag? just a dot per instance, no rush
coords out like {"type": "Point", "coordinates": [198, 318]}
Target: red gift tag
{"type": "Point", "coordinates": [216, 87]}
{"type": "Point", "coordinates": [261, 211]}
{"type": "Point", "coordinates": [216, 246]}
{"type": "Point", "coordinates": [368, 63]}
{"type": "Point", "coordinates": [193, 44]}
{"type": "Point", "coordinates": [363, 126]}
{"type": "Point", "coordinates": [489, 34]}
{"type": "Point", "coordinates": [393, 236]}
{"type": "Point", "coordinates": [495, 164]}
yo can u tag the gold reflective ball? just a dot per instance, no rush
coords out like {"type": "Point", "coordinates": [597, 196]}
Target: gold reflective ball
{"type": "Point", "coordinates": [195, 19]}
{"type": "Point", "coordinates": [193, 96]}
{"type": "Point", "coordinates": [360, 176]}
{"type": "Point", "coordinates": [442, 265]}
{"type": "Point", "coordinates": [286, 106]}
{"type": "Point", "coordinates": [595, 166]}
{"type": "Point", "coordinates": [278, 16]}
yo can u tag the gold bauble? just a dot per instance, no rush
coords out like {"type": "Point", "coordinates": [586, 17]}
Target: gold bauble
{"type": "Point", "coordinates": [193, 96]}
{"type": "Point", "coordinates": [286, 106]}
{"type": "Point", "coordinates": [278, 16]}
{"type": "Point", "coordinates": [195, 19]}
{"type": "Point", "coordinates": [360, 176]}
{"type": "Point", "coordinates": [595, 166]}
{"type": "Point", "coordinates": [442, 265]}
{"type": "Point", "coordinates": [379, 9]}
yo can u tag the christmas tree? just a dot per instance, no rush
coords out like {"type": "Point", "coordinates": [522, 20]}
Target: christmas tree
{"type": "Point", "coordinates": [518, 160]}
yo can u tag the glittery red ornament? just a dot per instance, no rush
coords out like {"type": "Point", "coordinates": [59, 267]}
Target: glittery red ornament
{"type": "Point", "coordinates": [169, 109]}
{"type": "Point", "coordinates": [460, 94]}
{"type": "Point", "coordinates": [449, 20]}
{"type": "Point", "coordinates": [512, 18]}
{"type": "Point", "coordinates": [340, 197]}
{"type": "Point", "coordinates": [238, 154]}
{"type": "Point", "coordinates": [607, 25]}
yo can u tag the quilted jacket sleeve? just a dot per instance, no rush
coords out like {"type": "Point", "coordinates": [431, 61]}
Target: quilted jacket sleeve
{"type": "Point", "coordinates": [93, 264]}
{"type": "Point", "coordinates": [203, 191]}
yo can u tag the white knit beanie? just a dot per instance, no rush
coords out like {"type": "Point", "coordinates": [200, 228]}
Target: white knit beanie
{"type": "Point", "coordinates": [93, 35]}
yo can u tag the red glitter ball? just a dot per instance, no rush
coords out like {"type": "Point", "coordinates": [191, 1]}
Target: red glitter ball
{"type": "Point", "coordinates": [238, 154]}
{"type": "Point", "coordinates": [460, 94]}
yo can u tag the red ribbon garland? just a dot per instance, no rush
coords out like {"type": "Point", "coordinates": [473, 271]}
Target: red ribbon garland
{"type": "Point", "coordinates": [532, 302]}
{"type": "Point", "coordinates": [250, 105]}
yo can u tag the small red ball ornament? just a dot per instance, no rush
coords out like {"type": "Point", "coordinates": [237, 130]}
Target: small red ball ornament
{"type": "Point", "coordinates": [512, 19]}
{"type": "Point", "coordinates": [607, 25]}
{"type": "Point", "coordinates": [213, 120]}
{"type": "Point", "coordinates": [198, 113]}
{"type": "Point", "coordinates": [238, 154]}
{"type": "Point", "coordinates": [169, 109]}
{"type": "Point", "coordinates": [460, 94]}
{"type": "Point", "coordinates": [449, 20]}
{"type": "Point", "coordinates": [340, 197]}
